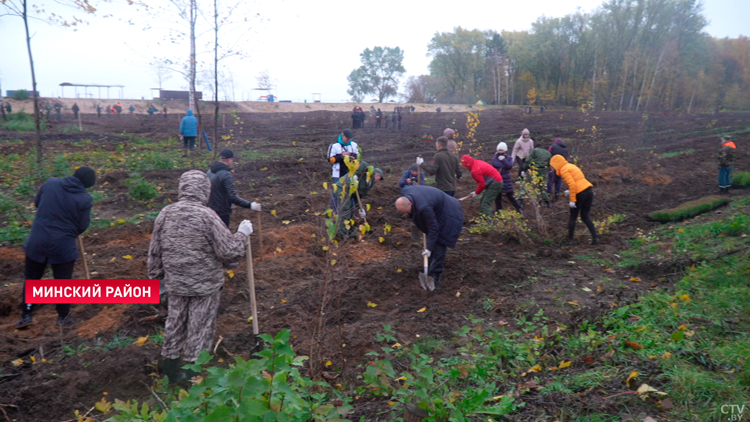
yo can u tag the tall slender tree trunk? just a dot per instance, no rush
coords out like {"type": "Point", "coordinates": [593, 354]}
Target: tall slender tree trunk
{"type": "Point", "coordinates": [593, 83]}
{"type": "Point", "coordinates": [692, 97]}
{"type": "Point", "coordinates": [191, 72]}
{"type": "Point", "coordinates": [633, 88]}
{"type": "Point", "coordinates": [622, 94]}
{"type": "Point", "coordinates": [37, 123]}
{"type": "Point", "coordinates": [216, 78]}
{"type": "Point", "coordinates": [643, 85]}
{"type": "Point", "coordinates": [653, 78]}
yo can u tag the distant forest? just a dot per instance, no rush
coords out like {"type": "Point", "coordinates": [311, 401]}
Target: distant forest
{"type": "Point", "coordinates": [630, 55]}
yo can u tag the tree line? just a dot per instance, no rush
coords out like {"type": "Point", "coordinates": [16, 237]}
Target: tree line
{"type": "Point", "coordinates": [628, 55]}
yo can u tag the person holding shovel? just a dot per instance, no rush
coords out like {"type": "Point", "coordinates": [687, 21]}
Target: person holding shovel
{"type": "Point", "coordinates": [488, 181]}
{"type": "Point", "coordinates": [445, 166]}
{"type": "Point", "coordinates": [63, 213]}
{"type": "Point", "coordinates": [581, 193]}
{"type": "Point", "coordinates": [223, 192]}
{"type": "Point", "coordinates": [188, 246]}
{"type": "Point", "coordinates": [441, 218]}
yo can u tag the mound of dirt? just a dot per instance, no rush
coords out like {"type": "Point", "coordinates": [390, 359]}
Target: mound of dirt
{"type": "Point", "coordinates": [655, 179]}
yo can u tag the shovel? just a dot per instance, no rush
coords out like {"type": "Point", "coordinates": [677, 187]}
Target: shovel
{"type": "Point", "coordinates": [465, 197]}
{"type": "Point", "coordinates": [253, 303]}
{"type": "Point", "coordinates": [79, 240]}
{"type": "Point", "coordinates": [424, 279]}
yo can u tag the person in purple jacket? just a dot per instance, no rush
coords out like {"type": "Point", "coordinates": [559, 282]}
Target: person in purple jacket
{"type": "Point", "coordinates": [504, 164]}
{"type": "Point", "coordinates": [557, 148]}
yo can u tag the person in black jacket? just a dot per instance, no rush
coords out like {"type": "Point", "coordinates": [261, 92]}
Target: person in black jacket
{"type": "Point", "coordinates": [440, 217]}
{"type": "Point", "coordinates": [223, 193]}
{"type": "Point", "coordinates": [63, 213]}
{"type": "Point", "coordinates": [558, 148]}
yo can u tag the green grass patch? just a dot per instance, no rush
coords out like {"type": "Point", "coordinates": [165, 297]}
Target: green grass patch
{"type": "Point", "coordinates": [689, 209]}
{"type": "Point", "coordinates": [676, 153]}
{"type": "Point", "coordinates": [21, 122]}
{"type": "Point", "coordinates": [741, 179]}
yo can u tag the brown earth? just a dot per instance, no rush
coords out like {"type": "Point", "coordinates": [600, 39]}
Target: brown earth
{"type": "Point", "coordinates": [487, 276]}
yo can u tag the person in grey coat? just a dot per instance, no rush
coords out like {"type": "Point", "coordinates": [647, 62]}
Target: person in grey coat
{"type": "Point", "coordinates": [188, 246]}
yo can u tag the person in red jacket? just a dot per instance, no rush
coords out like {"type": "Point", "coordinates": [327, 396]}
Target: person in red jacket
{"type": "Point", "coordinates": [488, 181]}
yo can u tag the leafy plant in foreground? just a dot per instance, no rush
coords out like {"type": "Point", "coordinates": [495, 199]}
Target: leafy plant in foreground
{"type": "Point", "coordinates": [140, 188]}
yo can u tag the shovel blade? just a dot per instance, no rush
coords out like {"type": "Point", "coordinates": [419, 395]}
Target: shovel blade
{"type": "Point", "coordinates": [424, 281]}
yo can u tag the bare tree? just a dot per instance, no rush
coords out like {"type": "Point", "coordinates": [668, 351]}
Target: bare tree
{"type": "Point", "coordinates": [161, 72]}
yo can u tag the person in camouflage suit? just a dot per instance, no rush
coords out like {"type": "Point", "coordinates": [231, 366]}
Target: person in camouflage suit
{"type": "Point", "coordinates": [726, 158]}
{"type": "Point", "coordinates": [188, 246]}
{"type": "Point", "coordinates": [350, 200]}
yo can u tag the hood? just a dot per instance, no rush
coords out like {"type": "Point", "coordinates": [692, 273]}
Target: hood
{"type": "Point", "coordinates": [467, 161]}
{"type": "Point", "coordinates": [729, 144]}
{"type": "Point", "coordinates": [73, 185]}
{"type": "Point", "coordinates": [525, 132]}
{"type": "Point", "coordinates": [189, 112]}
{"type": "Point", "coordinates": [219, 166]}
{"type": "Point", "coordinates": [558, 161]}
{"type": "Point", "coordinates": [560, 142]}
{"type": "Point", "coordinates": [194, 187]}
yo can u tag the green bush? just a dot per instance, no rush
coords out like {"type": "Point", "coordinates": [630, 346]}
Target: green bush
{"type": "Point", "coordinates": [140, 188]}
{"type": "Point", "coordinates": [21, 94]}
{"type": "Point", "coordinates": [741, 179]}
{"type": "Point", "coordinates": [689, 209]}
{"type": "Point", "coordinates": [269, 388]}
{"type": "Point", "coordinates": [510, 223]}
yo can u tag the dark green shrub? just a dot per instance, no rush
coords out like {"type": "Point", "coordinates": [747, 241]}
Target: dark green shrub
{"type": "Point", "coordinates": [741, 179]}
{"type": "Point", "coordinates": [21, 94]}
{"type": "Point", "coordinates": [140, 188]}
{"type": "Point", "coordinates": [689, 209]}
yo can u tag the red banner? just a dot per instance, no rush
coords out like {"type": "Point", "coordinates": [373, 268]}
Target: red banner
{"type": "Point", "coordinates": [92, 291]}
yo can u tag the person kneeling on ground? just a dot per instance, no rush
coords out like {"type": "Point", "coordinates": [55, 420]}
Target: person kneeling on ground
{"type": "Point", "coordinates": [488, 181]}
{"type": "Point", "coordinates": [188, 246]}
{"type": "Point", "coordinates": [63, 213]}
{"type": "Point", "coordinates": [581, 193]}
{"type": "Point", "coordinates": [411, 178]}
{"type": "Point", "coordinates": [440, 217]}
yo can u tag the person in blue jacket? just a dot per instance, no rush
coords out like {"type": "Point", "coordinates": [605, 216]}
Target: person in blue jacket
{"type": "Point", "coordinates": [63, 213]}
{"type": "Point", "coordinates": [410, 178]}
{"type": "Point", "coordinates": [440, 217]}
{"type": "Point", "coordinates": [188, 132]}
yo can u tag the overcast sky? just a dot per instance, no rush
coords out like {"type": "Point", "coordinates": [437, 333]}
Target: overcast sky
{"type": "Point", "coordinates": [306, 46]}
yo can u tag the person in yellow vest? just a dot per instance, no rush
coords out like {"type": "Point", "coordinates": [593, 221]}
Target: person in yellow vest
{"type": "Point", "coordinates": [581, 193]}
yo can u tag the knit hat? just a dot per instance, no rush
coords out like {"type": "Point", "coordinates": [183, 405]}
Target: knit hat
{"type": "Point", "coordinates": [558, 140]}
{"type": "Point", "coordinates": [348, 133]}
{"type": "Point", "coordinates": [226, 153]}
{"type": "Point", "coordinates": [414, 167]}
{"type": "Point", "coordinates": [502, 146]}
{"type": "Point", "coordinates": [525, 132]}
{"type": "Point", "coordinates": [726, 137]}
{"type": "Point", "coordinates": [449, 133]}
{"type": "Point", "coordinates": [86, 175]}
{"type": "Point", "coordinates": [380, 172]}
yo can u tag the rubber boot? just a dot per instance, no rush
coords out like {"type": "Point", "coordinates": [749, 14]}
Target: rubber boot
{"type": "Point", "coordinates": [570, 242]}
{"type": "Point", "coordinates": [595, 240]}
{"type": "Point", "coordinates": [171, 368]}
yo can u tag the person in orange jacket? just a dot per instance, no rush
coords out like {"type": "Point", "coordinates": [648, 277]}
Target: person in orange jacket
{"type": "Point", "coordinates": [726, 158]}
{"type": "Point", "coordinates": [581, 193]}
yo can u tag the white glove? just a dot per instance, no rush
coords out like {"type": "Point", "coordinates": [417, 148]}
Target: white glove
{"type": "Point", "coordinates": [523, 174]}
{"type": "Point", "coordinates": [356, 179]}
{"type": "Point", "coordinates": [362, 213]}
{"type": "Point", "coordinates": [427, 253]}
{"type": "Point", "coordinates": [420, 160]}
{"type": "Point", "coordinates": [246, 228]}
{"type": "Point", "coordinates": [572, 205]}
{"type": "Point", "coordinates": [567, 193]}
{"type": "Point", "coordinates": [473, 194]}
{"type": "Point", "coordinates": [255, 206]}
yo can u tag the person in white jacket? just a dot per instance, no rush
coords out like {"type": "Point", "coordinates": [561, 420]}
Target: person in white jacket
{"type": "Point", "coordinates": [521, 149]}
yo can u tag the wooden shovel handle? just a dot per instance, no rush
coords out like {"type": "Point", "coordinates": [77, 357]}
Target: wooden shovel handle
{"type": "Point", "coordinates": [251, 280]}
{"type": "Point", "coordinates": [79, 241]}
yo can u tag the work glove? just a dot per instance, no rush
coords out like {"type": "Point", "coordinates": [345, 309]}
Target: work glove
{"type": "Point", "coordinates": [523, 174]}
{"type": "Point", "coordinates": [255, 206]}
{"type": "Point", "coordinates": [356, 179]}
{"type": "Point", "coordinates": [246, 228]}
{"type": "Point", "coordinates": [420, 160]}
{"type": "Point", "coordinates": [362, 213]}
{"type": "Point", "coordinates": [572, 204]}
{"type": "Point", "coordinates": [567, 193]}
{"type": "Point", "coordinates": [426, 253]}
{"type": "Point", "coordinates": [473, 194]}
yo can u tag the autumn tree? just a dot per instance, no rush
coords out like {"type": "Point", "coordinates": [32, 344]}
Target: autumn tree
{"type": "Point", "coordinates": [379, 74]}
{"type": "Point", "coordinates": [458, 61]}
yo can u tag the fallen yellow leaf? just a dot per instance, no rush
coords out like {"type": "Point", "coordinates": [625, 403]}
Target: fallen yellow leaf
{"type": "Point", "coordinates": [33, 360]}
{"type": "Point", "coordinates": [333, 262]}
{"type": "Point", "coordinates": [273, 213]}
{"type": "Point", "coordinates": [398, 270]}
{"type": "Point", "coordinates": [128, 257]}
{"type": "Point", "coordinates": [264, 169]}
{"type": "Point", "coordinates": [285, 222]}
{"type": "Point", "coordinates": [141, 341]}
{"type": "Point", "coordinates": [423, 309]}
{"type": "Point", "coordinates": [328, 363]}
{"type": "Point", "coordinates": [396, 345]}
{"type": "Point", "coordinates": [565, 364]}
{"type": "Point", "coordinates": [381, 239]}
{"type": "Point", "coordinates": [372, 305]}
{"type": "Point", "coordinates": [250, 320]}
{"type": "Point", "coordinates": [535, 368]}
{"type": "Point", "coordinates": [230, 273]}
{"type": "Point", "coordinates": [17, 362]}
{"type": "Point", "coordinates": [283, 300]}
{"type": "Point", "coordinates": [685, 298]}
{"type": "Point", "coordinates": [325, 185]}
{"type": "Point", "coordinates": [631, 376]}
